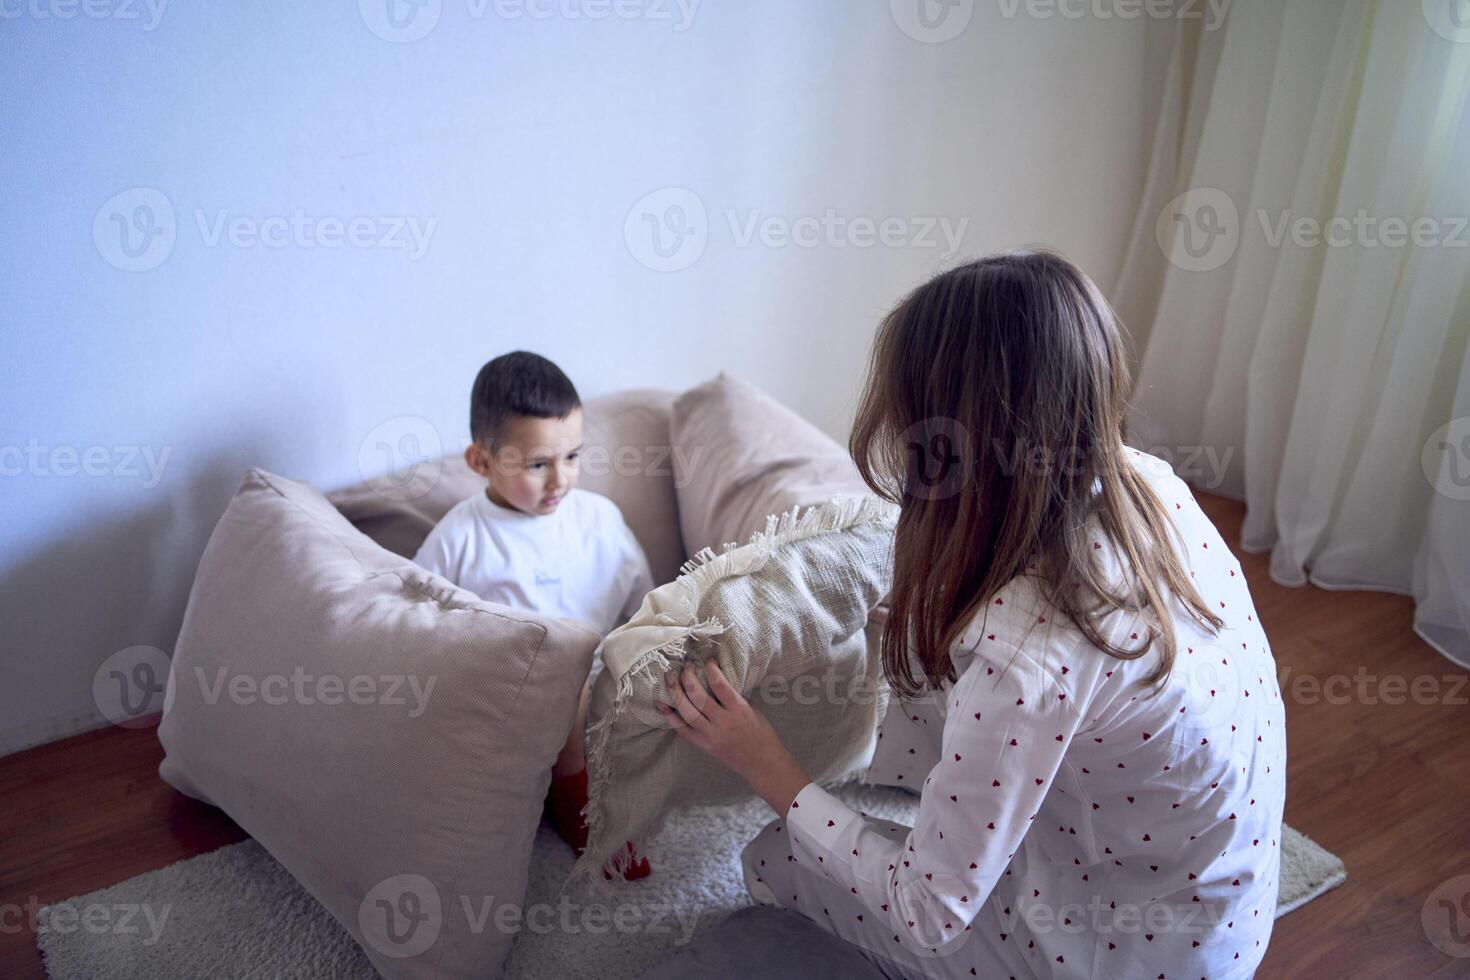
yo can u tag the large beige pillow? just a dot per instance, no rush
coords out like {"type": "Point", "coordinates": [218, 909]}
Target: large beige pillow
{"type": "Point", "coordinates": [401, 779]}
{"type": "Point", "coordinates": [740, 456]}
{"type": "Point", "coordinates": [787, 618]}
{"type": "Point", "coordinates": [628, 457]}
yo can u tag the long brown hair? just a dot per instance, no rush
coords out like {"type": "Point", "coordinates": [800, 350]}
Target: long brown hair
{"type": "Point", "coordinates": [993, 416]}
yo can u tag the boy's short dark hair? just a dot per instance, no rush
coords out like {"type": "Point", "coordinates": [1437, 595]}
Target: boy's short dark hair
{"type": "Point", "coordinates": [518, 383]}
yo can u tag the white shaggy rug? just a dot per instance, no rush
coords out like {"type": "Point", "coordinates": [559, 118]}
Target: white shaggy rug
{"type": "Point", "coordinates": [236, 912]}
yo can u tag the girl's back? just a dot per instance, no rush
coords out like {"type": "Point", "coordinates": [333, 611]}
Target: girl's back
{"type": "Point", "coordinates": [1158, 831]}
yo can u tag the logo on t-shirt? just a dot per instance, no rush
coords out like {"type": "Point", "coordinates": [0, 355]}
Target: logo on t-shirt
{"type": "Point", "coordinates": [543, 578]}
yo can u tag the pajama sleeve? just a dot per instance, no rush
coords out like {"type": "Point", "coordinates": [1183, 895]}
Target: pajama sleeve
{"type": "Point", "coordinates": [1008, 728]}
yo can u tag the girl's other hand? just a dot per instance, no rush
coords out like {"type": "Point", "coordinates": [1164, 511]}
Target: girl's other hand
{"type": "Point", "coordinates": [722, 723]}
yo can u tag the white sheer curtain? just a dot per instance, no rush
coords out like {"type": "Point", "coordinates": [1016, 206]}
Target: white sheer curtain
{"type": "Point", "coordinates": [1298, 286]}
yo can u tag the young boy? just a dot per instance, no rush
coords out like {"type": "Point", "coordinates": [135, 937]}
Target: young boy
{"type": "Point", "coordinates": [534, 541]}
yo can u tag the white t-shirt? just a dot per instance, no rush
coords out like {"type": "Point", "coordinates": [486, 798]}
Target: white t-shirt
{"type": "Point", "coordinates": [579, 562]}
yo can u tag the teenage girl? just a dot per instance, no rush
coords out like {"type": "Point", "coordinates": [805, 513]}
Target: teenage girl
{"type": "Point", "coordinates": [1099, 737]}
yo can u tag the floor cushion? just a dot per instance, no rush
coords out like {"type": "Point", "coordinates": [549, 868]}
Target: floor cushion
{"type": "Point", "coordinates": [387, 736]}
{"type": "Point", "coordinates": [740, 456]}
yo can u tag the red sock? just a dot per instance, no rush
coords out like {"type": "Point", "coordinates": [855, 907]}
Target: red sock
{"type": "Point", "coordinates": [567, 796]}
{"type": "Point", "coordinates": [637, 867]}
{"type": "Point", "coordinates": [564, 802]}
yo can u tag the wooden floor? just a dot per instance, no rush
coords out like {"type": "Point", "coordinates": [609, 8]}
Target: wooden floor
{"type": "Point", "coordinates": [1385, 786]}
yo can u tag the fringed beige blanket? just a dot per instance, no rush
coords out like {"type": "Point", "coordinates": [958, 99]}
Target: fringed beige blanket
{"type": "Point", "coordinates": [786, 615]}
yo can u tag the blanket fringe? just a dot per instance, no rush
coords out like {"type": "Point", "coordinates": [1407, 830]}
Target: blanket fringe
{"type": "Point", "coordinates": [837, 513]}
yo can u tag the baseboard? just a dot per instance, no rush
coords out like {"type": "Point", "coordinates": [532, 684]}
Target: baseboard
{"type": "Point", "coordinates": [24, 737]}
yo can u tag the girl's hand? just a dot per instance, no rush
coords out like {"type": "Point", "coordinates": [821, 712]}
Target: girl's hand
{"type": "Point", "coordinates": [722, 723]}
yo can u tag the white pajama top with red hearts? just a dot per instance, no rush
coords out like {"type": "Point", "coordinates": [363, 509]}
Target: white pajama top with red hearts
{"type": "Point", "coordinates": [1104, 831]}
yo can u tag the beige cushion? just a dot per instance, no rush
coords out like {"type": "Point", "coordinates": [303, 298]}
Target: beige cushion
{"type": "Point", "coordinates": [740, 456]}
{"type": "Point", "coordinates": [408, 767]}
{"type": "Point", "coordinates": [627, 457]}
{"type": "Point", "coordinates": [399, 510]}
{"type": "Point", "coordinates": [787, 618]}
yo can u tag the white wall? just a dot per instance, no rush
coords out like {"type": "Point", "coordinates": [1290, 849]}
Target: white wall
{"type": "Point", "coordinates": [526, 141]}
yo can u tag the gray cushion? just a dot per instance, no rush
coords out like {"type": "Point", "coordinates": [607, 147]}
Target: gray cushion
{"type": "Point", "coordinates": [762, 942]}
